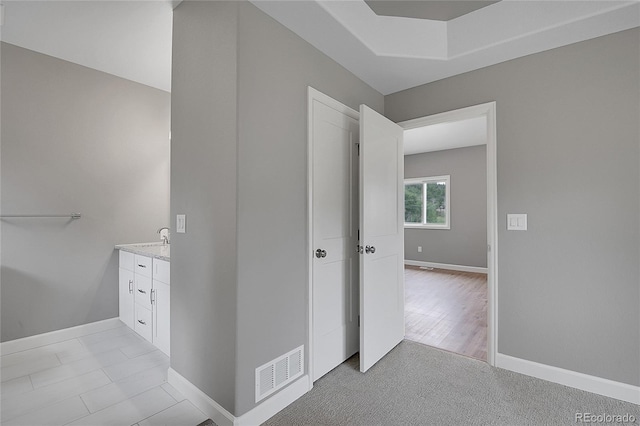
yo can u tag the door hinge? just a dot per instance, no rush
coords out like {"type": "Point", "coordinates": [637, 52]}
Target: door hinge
{"type": "Point", "coordinates": [358, 147]}
{"type": "Point", "coordinates": [358, 235]}
{"type": "Point", "coordinates": [358, 320]}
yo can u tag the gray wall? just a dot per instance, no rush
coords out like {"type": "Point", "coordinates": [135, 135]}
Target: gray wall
{"type": "Point", "coordinates": [239, 274]}
{"type": "Point", "coordinates": [466, 242]}
{"type": "Point", "coordinates": [274, 69]}
{"type": "Point", "coordinates": [74, 139]}
{"type": "Point", "coordinates": [203, 186]}
{"type": "Point", "coordinates": [568, 152]}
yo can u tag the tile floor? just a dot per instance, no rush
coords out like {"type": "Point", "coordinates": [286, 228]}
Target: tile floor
{"type": "Point", "coordinates": [113, 377]}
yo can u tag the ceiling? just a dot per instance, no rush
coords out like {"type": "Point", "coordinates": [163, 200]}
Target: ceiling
{"type": "Point", "coordinates": [390, 52]}
{"type": "Point", "coordinates": [432, 9]}
{"type": "Point", "coordinates": [130, 39]}
{"type": "Point", "coordinates": [449, 135]}
{"type": "Point", "coordinates": [393, 53]}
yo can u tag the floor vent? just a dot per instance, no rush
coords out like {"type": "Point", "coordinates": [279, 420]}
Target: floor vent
{"type": "Point", "coordinates": [278, 373]}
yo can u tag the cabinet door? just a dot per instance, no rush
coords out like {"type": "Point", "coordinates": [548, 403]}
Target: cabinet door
{"type": "Point", "coordinates": [161, 270]}
{"type": "Point", "coordinates": [127, 260]}
{"type": "Point", "coordinates": [161, 316]}
{"type": "Point", "coordinates": [125, 296]}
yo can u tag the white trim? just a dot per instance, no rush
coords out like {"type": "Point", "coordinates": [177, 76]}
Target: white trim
{"type": "Point", "coordinates": [585, 382]}
{"type": "Point", "coordinates": [222, 417]}
{"type": "Point", "coordinates": [276, 403]}
{"type": "Point", "coordinates": [463, 268]}
{"type": "Point", "coordinates": [200, 399]}
{"type": "Point", "coordinates": [315, 95]}
{"type": "Point", "coordinates": [487, 110]}
{"type": "Point", "coordinates": [492, 234]}
{"type": "Point", "coordinates": [57, 336]}
{"type": "Point", "coordinates": [448, 116]}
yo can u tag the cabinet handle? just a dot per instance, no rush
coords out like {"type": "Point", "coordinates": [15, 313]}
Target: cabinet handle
{"type": "Point", "coordinates": [142, 266]}
{"type": "Point", "coordinates": [142, 322]}
{"type": "Point", "coordinates": [130, 286]}
{"type": "Point", "coordinates": [142, 291]}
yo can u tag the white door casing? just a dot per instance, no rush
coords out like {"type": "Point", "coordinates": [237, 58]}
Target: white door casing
{"type": "Point", "coordinates": [487, 110]}
{"type": "Point", "coordinates": [334, 222]}
{"type": "Point", "coordinates": [382, 235]}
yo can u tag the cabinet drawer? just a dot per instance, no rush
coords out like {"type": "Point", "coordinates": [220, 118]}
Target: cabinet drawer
{"type": "Point", "coordinates": [143, 291]}
{"type": "Point", "coordinates": [143, 265]}
{"type": "Point", "coordinates": [126, 260]}
{"type": "Point", "coordinates": [143, 325]}
{"type": "Point", "coordinates": [161, 270]}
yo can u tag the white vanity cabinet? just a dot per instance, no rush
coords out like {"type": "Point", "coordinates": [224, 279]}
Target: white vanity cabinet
{"type": "Point", "coordinates": [126, 288]}
{"type": "Point", "coordinates": [144, 297]}
{"type": "Point", "coordinates": [161, 305]}
{"type": "Point", "coordinates": [142, 278]}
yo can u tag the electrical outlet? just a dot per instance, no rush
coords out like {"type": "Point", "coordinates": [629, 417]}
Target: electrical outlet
{"type": "Point", "coordinates": [181, 223]}
{"type": "Point", "coordinates": [419, 249]}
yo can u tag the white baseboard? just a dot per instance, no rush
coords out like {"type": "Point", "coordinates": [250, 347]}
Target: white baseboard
{"type": "Point", "coordinates": [57, 336]}
{"type": "Point", "coordinates": [274, 404]}
{"type": "Point", "coordinates": [585, 382]}
{"type": "Point", "coordinates": [254, 417]}
{"type": "Point", "coordinates": [200, 399]}
{"type": "Point", "coordinates": [476, 269]}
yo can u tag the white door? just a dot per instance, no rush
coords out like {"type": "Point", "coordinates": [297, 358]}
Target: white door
{"type": "Point", "coordinates": [381, 234]}
{"type": "Point", "coordinates": [334, 264]}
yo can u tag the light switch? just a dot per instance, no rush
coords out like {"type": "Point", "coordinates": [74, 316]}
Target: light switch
{"type": "Point", "coordinates": [516, 222]}
{"type": "Point", "coordinates": [181, 223]}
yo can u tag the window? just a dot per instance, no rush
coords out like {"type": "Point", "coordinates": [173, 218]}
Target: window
{"type": "Point", "coordinates": [426, 202]}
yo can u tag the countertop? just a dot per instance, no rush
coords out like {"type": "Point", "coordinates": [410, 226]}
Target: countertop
{"type": "Point", "coordinates": [157, 250]}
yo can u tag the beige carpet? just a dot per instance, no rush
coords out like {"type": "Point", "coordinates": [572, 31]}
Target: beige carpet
{"type": "Point", "coordinates": [419, 385]}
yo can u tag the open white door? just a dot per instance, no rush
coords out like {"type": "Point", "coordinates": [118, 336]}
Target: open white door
{"type": "Point", "coordinates": [381, 236]}
{"type": "Point", "coordinates": [334, 222]}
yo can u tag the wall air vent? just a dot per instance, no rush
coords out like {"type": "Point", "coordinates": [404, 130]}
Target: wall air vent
{"type": "Point", "coordinates": [278, 373]}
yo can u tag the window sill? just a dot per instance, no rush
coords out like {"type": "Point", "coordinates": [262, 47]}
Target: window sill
{"type": "Point", "coordinates": [411, 226]}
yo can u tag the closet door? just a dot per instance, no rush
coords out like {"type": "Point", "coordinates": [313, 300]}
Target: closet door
{"type": "Point", "coordinates": [381, 236]}
{"type": "Point", "coordinates": [334, 262]}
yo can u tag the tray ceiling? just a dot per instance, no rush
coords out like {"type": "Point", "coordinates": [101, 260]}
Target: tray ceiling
{"type": "Point", "coordinates": [434, 10]}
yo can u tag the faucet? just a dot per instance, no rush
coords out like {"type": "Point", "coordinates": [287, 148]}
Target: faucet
{"type": "Point", "coordinates": [164, 237]}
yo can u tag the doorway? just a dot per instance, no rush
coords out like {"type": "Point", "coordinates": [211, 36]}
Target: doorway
{"type": "Point", "coordinates": [459, 283]}
{"type": "Point", "coordinates": [378, 329]}
{"type": "Point", "coordinates": [355, 251]}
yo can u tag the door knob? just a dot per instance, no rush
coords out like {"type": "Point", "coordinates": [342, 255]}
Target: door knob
{"type": "Point", "coordinates": [359, 249]}
{"type": "Point", "coordinates": [370, 249]}
{"type": "Point", "coordinates": [321, 253]}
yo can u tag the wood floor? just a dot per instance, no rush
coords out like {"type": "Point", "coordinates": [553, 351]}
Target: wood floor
{"type": "Point", "coordinates": [447, 310]}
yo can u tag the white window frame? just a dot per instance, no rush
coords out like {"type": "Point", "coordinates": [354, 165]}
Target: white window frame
{"type": "Point", "coordinates": [424, 181]}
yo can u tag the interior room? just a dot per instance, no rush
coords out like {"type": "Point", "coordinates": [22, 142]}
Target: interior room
{"type": "Point", "coordinates": [445, 242]}
{"type": "Point", "coordinates": [202, 211]}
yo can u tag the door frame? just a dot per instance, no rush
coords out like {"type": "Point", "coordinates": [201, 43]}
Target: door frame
{"type": "Point", "coordinates": [315, 95]}
{"type": "Point", "coordinates": [487, 110]}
